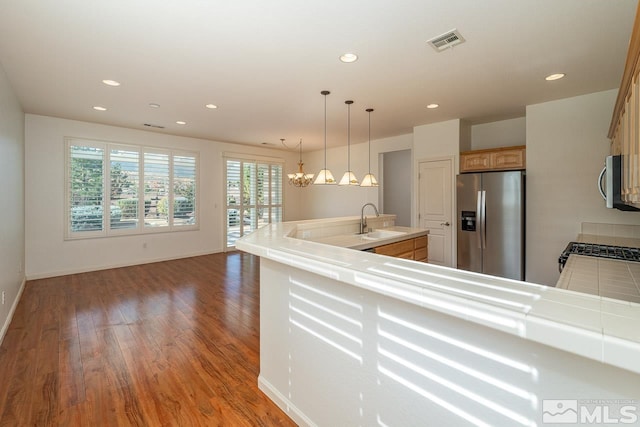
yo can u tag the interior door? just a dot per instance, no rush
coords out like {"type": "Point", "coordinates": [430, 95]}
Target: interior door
{"type": "Point", "coordinates": [435, 207]}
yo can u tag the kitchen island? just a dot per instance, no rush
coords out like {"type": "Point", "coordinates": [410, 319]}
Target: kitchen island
{"type": "Point", "coordinates": [353, 338]}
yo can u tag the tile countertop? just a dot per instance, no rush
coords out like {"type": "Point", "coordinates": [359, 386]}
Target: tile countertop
{"type": "Point", "coordinates": [600, 276]}
{"type": "Point", "coordinates": [595, 327]}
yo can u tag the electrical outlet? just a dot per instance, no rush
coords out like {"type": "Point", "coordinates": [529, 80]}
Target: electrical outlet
{"type": "Point", "coordinates": [144, 245]}
{"type": "Point", "coordinates": [20, 267]}
{"type": "Point", "coordinates": [3, 297]}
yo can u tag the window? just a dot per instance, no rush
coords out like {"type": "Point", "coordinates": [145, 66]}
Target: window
{"type": "Point", "coordinates": [253, 196]}
{"type": "Point", "coordinates": [147, 189]}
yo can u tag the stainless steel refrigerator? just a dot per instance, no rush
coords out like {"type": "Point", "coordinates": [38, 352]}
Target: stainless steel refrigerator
{"type": "Point", "coordinates": [491, 227]}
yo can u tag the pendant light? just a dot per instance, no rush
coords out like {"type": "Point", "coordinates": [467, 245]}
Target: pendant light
{"type": "Point", "coordinates": [349, 178]}
{"type": "Point", "coordinates": [369, 180]}
{"type": "Point", "coordinates": [325, 176]}
{"type": "Point", "coordinates": [299, 179]}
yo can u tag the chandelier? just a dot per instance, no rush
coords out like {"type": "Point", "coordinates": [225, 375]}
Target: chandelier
{"type": "Point", "coordinates": [299, 179]}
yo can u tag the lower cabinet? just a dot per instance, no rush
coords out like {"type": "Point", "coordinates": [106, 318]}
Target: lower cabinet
{"type": "Point", "coordinates": [415, 249]}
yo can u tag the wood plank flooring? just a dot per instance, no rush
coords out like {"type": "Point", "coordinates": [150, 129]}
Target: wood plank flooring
{"type": "Point", "coordinates": [174, 343]}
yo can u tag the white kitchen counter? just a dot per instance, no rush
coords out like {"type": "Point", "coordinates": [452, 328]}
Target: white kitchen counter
{"type": "Point", "coordinates": [376, 338]}
{"type": "Point", "coordinates": [567, 320]}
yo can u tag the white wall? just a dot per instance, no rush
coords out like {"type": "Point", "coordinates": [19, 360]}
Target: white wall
{"type": "Point", "coordinates": [503, 133]}
{"type": "Point", "coordinates": [12, 196]}
{"type": "Point", "coordinates": [322, 201]}
{"type": "Point", "coordinates": [437, 140]}
{"type": "Point", "coordinates": [48, 254]}
{"type": "Point", "coordinates": [566, 147]}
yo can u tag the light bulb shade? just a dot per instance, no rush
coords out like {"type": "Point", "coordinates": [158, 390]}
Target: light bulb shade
{"type": "Point", "coordinates": [349, 178]}
{"type": "Point", "coordinates": [325, 177]}
{"type": "Point", "coordinates": [291, 175]}
{"type": "Point", "coordinates": [369, 181]}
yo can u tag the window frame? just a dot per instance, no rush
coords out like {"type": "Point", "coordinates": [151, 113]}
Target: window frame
{"type": "Point", "coordinates": [107, 229]}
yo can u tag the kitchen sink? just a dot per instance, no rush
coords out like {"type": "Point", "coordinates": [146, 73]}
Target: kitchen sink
{"type": "Point", "coordinates": [382, 234]}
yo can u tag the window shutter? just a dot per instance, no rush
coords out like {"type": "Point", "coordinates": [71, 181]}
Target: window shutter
{"type": "Point", "coordinates": [156, 189]}
{"type": "Point", "coordinates": [86, 188]}
{"type": "Point", "coordinates": [124, 188]}
{"type": "Point", "coordinates": [184, 190]}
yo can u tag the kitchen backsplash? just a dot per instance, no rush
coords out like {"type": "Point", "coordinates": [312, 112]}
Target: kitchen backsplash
{"type": "Point", "coordinates": [613, 230]}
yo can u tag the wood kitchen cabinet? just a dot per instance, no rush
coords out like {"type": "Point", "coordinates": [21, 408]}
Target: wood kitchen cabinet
{"type": "Point", "coordinates": [624, 131]}
{"type": "Point", "coordinates": [415, 249]}
{"type": "Point", "coordinates": [495, 159]}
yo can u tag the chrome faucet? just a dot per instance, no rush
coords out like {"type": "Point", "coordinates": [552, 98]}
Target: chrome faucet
{"type": "Point", "coordinates": [363, 220]}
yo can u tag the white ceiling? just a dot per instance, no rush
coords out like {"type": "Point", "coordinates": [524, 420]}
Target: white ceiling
{"type": "Point", "coordinates": [264, 63]}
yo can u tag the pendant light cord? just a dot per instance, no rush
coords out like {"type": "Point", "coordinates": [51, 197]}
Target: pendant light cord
{"type": "Point", "coordinates": [369, 111]}
{"type": "Point", "coordinates": [325, 134]}
{"type": "Point", "coordinates": [349, 137]}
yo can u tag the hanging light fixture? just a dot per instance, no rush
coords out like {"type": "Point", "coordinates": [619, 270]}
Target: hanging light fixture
{"type": "Point", "coordinates": [325, 176]}
{"type": "Point", "coordinates": [369, 180]}
{"type": "Point", "coordinates": [299, 179]}
{"type": "Point", "coordinates": [349, 178]}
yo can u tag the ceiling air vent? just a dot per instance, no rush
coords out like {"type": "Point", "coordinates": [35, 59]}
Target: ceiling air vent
{"type": "Point", "coordinates": [153, 126]}
{"type": "Point", "coordinates": [446, 40]}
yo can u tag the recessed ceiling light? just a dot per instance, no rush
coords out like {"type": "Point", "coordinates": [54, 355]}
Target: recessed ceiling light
{"type": "Point", "coordinates": [154, 105]}
{"type": "Point", "coordinates": [556, 76]}
{"type": "Point", "coordinates": [211, 106]}
{"type": "Point", "coordinates": [349, 57]}
{"type": "Point", "coordinates": [111, 82]}
{"type": "Point", "coordinates": [180, 122]}
{"type": "Point", "coordinates": [432, 106]}
{"type": "Point", "coordinates": [99, 108]}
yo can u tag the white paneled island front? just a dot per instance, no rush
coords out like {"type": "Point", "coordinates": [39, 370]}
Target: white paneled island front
{"type": "Point", "coordinates": [351, 338]}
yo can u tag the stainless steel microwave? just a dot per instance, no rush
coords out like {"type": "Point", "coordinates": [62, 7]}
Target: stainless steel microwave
{"type": "Point", "coordinates": [610, 184]}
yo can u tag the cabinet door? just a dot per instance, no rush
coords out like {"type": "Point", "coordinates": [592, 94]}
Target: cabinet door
{"type": "Point", "coordinates": [475, 162]}
{"type": "Point", "coordinates": [508, 159]}
{"type": "Point", "coordinates": [403, 249]}
{"type": "Point", "coordinates": [420, 252]}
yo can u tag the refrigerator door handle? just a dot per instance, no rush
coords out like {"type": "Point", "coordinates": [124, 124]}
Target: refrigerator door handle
{"type": "Point", "coordinates": [480, 220]}
{"type": "Point", "coordinates": [484, 220]}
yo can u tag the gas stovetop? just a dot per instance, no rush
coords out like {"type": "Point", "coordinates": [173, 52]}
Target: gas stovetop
{"type": "Point", "coordinates": [601, 251]}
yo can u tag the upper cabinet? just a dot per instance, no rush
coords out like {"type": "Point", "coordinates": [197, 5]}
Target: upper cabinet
{"type": "Point", "coordinates": [624, 132]}
{"type": "Point", "coordinates": [495, 159]}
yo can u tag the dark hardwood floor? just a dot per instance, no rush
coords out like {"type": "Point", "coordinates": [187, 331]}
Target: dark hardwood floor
{"type": "Point", "coordinates": [174, 343]}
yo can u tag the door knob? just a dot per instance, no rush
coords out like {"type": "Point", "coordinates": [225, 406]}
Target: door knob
{"type": "Point", "coordinates": [446, 224]}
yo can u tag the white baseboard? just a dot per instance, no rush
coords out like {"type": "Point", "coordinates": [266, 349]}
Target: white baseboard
{"type": "Point", "coordinates": [7, 322]}
{"type": "Point", "coordinates": [283, 403]}
{"type": "Point", "coordinates": [119, 265]}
